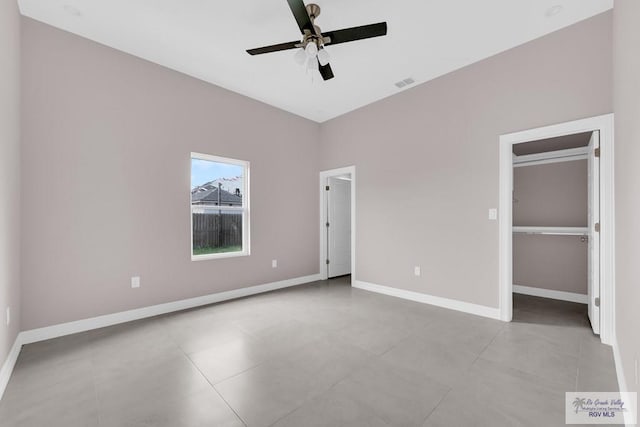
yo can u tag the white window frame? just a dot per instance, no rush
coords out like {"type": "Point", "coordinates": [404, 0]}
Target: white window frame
{"type": "Point", "coordinates": [246, 241]}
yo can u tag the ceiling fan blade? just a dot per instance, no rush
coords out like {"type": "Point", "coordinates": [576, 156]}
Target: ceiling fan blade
{"type": "Point", "coordinates": [356, 33]}
{"type": "Point", "coordinates": [325, 71]}
{"type": "Point", "coordinates": [302, 17]}
{"type": "Point", "coordinates": [273, 48]}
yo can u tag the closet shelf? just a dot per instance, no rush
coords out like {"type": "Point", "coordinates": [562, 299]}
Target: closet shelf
{"type": "Point", "coordinates": [554, 231]}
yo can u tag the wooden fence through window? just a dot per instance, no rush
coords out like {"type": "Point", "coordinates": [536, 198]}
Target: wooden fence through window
{"type": "Point", "coordinates": [214, 230]}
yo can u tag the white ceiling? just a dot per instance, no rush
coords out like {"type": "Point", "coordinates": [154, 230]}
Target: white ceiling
{"type": "Point", "coordinates": [208, 39]}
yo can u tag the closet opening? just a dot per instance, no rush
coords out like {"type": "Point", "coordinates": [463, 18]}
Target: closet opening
{"type": "Point", "coordinates": [555, 252]}
{"type": "Point", "coordinates": [556, 223]}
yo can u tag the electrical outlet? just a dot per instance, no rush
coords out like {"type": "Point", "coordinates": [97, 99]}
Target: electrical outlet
{"type": "Point", "coordinates": [9, 318]}
{"type": "Point", "coordinates": [493, 214]}
{"type": "Point", "coordinates": [274, 263]}
{"type": "Point", "coordinates": [636, 369]}
{"type": "Point", "coordinates": [135, 282]}
{"type": "Point", "coordinates": [417, 271]}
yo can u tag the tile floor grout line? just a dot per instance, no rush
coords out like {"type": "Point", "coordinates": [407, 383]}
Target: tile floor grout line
{"type": "Point", "coordinates": [518, 369]}
{"type": "Point", "coordinates": [396, 345]}
{"type": "Point", "coordinates": [437, 405]}
{"type": "Point", "coordinates": [216, 390]}
{"type": "Point", "coordinates": [327, 301]}
{"type": "Point", "coordinates": [331, 387]}
{"type": "Point", "coordinates": [538, 376]}
{"type": "Point", "coordinates": [268, 359]}
{"type": "Point", "coordinates": [498, 332]}
{"type": "Point", "coordinates": [301, 405]}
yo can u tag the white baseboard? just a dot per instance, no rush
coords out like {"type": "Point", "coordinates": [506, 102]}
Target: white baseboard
{"type": "Point", "coordinates": [9, 364]}
{"type": "Point", "coordinates": [55, 331]}
{"type": "Point", "coordinates": [466, 307]}
{"type": "Point", "coordinates": [49, 332]}
{"type": "Point", "coordinates": [548, 293]}
{"type": "Point", "coordinates": [622, 382]}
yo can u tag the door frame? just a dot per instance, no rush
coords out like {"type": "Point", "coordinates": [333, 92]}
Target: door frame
{"type": "Point", "coordinates": [604, 124]}
{"type": "Point", "coordinates": [324, 175]}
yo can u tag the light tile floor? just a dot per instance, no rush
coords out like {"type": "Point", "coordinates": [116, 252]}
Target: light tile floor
{"type": "Point", "coordinates": [321, 354]}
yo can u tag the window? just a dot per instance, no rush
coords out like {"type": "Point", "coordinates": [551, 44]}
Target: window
{"type": "Point", "coordinates": [219, 207]}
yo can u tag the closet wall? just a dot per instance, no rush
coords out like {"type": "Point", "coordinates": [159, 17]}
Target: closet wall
{"type": "Point", "coordinates": [550, 195]}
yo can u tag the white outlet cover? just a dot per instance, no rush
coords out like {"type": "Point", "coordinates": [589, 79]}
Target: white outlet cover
{"type": "Point", "coordinates": [8, 315]}
{"type": "Point", "coordinates": [135, 282]}
{"type": "Point", "coordinates": [493, 214]}
{"type": "Point", "coordinates": [274, 263]}
{"type": "Point", "coordinates": [417, 271]}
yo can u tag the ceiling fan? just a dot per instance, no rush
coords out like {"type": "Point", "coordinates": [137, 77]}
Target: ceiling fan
{"type": "Point", "coordinates": [314, 40]}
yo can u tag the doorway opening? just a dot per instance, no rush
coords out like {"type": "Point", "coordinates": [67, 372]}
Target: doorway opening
{"type": "Point", "coordinates": [556, 223]}
{"type": "Point", "coordinates": [555, 252]}
{"type": "Point", "coordinates": [337, 223]}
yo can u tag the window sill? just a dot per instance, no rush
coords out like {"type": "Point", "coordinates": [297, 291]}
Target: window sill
{"type": "Point", "coordinates": [219, 256]}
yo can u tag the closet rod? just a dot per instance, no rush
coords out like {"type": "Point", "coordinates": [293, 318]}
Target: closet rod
{"type": "Point", "coordinates": [553, 160]}
{"type": "Point", "coordinates": [567, 155]}
{"type": "Point", "coordinates": [553, 231]}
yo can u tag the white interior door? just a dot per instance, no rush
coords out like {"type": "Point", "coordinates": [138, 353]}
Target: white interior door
{"type": "Point", "coordinates": [339, 226]}
{"type": "Point", "coordinates": [594, 232]}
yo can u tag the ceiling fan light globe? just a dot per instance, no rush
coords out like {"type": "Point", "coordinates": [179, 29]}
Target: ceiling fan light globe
{"type": "Point", "coordinates": [300, 56]}
{"type": "Point", "coordinates": [323, 57]}
{"type": "Point", "coordinates": [312, 64]}
{"type": "Point", "coordinates": [311, 49]}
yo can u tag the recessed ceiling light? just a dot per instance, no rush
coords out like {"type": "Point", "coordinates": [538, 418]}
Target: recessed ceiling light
{"type": "Point", "coordinates": [72, 10]}
{"type": "Point", "coordinates": [553, 10]}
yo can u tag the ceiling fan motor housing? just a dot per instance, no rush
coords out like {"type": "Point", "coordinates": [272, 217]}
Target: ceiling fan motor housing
{"type": "Point", "coordinates": [315, 38]}
{"type": "Point", "coordinates": [313, 10]}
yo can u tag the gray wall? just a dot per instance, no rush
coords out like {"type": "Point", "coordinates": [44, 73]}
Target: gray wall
{"type": "Point", "coordinates": [106, 181]}
{"type": "Point", "coordinates": [550, 195]}
{"type": "Point", "coordinates": [558, 263]}
{"type": "Point", "coordinates": [440, 140]}
{"type": "Point", "coordinates": [9, 173]}
{"type": "Point", "coordinates": [626, 62]}
{"type": "Point", "coordinates": [106, 173]}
